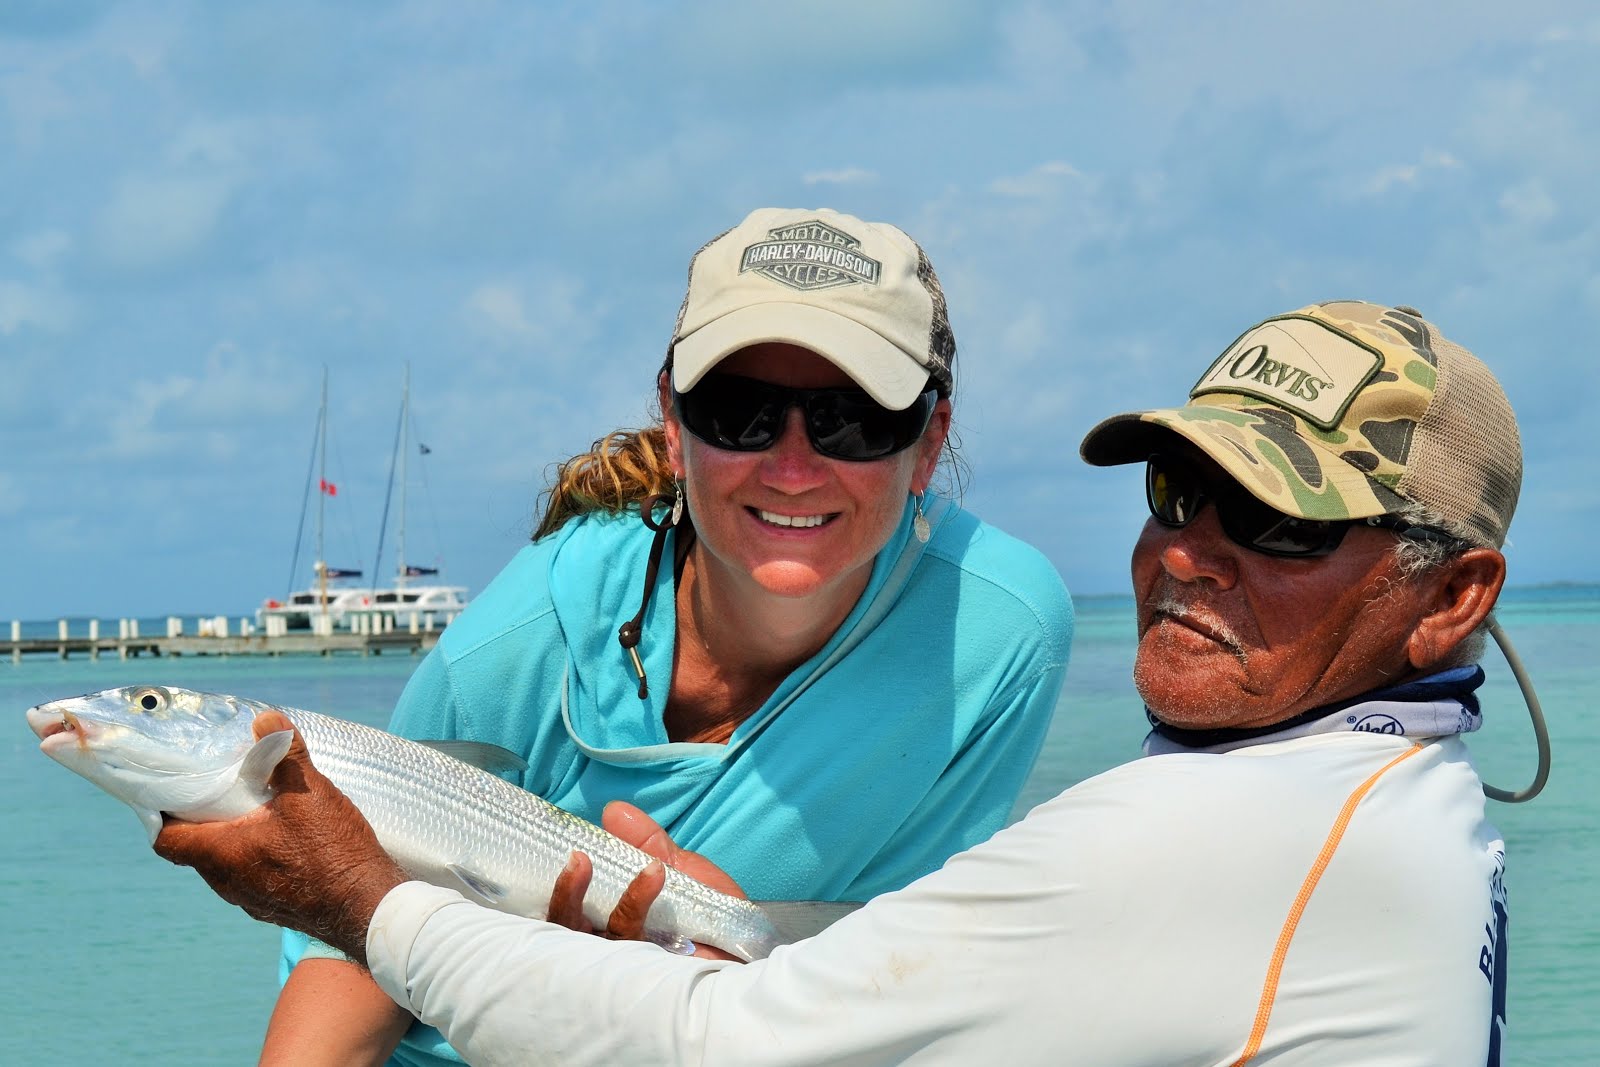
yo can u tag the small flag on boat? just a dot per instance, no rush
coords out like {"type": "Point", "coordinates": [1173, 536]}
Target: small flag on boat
{"type": "Point", "coordinates": [342, 572]}
{"type": "Point", "coordinates": [328, 487]}
{"type": "Point", "coordinates": [418, 572]}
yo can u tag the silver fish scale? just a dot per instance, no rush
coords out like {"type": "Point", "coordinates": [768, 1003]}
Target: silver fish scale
{"type": "Point", "coordinates": [448, 822]}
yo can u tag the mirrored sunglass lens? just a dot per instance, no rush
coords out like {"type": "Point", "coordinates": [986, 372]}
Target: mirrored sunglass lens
{"type": "Point", "coordinates": [746, 415]}
{"type": "Point", "coordinates": [851, 425]}
{"type": "Point", "coordinates": [1173, 494]}
{"type": "Point", "coordinates": [736, 415]}
{"type": "Point", "coordinates": [1254, 524]}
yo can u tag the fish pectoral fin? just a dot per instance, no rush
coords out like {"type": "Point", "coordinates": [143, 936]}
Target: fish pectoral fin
{"type": "Point", "coordinates": [263, 756]}
{"type": "Point", "coordinates": [488, 890]}
{"type": "Point", "coordinates": [480, 754]}
{"type": "Point", "coordinates": [674, 943]}
{"type": "Point", "coordinates": [152, 822]}
{"type": "Point", "coordinates": [797, 920]}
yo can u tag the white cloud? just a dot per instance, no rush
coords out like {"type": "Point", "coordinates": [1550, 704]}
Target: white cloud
{"type": "Point", "coordinates": [1528, 203]}
{"type": "Point", "coordinates": [1558, 35]}
{"type": "Point", "coordinates": [153, 221]}
{"type": "Point", "coordinates": [29, 305]}
{"type": "Point", "coordinates": [499, 307]}
{"type": "Point", "coordinates": [843, 176]}
{"type": "Point", "coordinates": [208, 415]}
{"type": "Point", "coordinates": [547, 313]}
{"type": "Point", "coordinates": [1043, 180]}
{"type": "Point", "coordinates": [1409, 175]}
{"type": "Point", "coordinates": [42, 250]}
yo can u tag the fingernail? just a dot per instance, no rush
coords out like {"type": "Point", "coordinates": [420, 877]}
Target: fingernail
{"type": "Point", "coordinates": [572, 862]}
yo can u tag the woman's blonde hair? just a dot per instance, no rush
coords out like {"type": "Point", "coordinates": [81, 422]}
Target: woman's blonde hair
{"type": "Point", "coordinates": [623, 468]}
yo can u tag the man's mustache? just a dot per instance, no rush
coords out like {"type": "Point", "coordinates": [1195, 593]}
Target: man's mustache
{"type": "Point", "coordinates": [1169, 604]}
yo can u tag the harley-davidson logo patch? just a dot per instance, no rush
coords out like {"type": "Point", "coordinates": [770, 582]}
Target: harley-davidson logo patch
{"type": "Point", "coordinates": [811, 255]}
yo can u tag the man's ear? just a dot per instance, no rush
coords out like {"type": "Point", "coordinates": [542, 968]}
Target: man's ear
{"type": "Point", "coordinates": [1463, 594]}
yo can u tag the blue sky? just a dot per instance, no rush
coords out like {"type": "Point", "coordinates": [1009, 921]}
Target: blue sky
{"type": "Point", "coordinates": [201, 205]}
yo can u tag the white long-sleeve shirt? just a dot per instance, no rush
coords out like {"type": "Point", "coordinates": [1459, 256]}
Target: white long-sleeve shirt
{"type": "Point", "coordinates": [1330, 899]}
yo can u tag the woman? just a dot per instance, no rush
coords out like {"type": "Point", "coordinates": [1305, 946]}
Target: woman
{"type": "Point", "coordinates": [753, 621]}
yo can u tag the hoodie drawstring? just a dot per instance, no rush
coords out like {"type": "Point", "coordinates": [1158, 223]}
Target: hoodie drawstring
{"type": "Point", "coordinates": [629, 633]}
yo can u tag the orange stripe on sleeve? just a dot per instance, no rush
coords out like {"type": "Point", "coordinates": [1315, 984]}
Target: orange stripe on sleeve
{"type": "Point", "coordinates": [1269, 989]}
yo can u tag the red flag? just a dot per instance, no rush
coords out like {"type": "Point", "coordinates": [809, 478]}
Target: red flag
{"type": "Point", "coordinates": [328, 487]}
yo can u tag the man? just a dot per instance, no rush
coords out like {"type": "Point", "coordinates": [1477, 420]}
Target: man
{"type": "Point", "coordinates": [1299, 872]}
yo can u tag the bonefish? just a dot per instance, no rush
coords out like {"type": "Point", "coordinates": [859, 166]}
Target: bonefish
{"type": "Point", "coordinates": [446, 821]}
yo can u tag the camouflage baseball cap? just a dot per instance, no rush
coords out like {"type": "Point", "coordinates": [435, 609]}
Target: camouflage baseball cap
{"type": "Point", "coordinates": [1346, 410]}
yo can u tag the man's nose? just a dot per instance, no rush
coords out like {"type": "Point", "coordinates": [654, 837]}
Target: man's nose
{"type": "Point", "coordinates": [1200, 551]}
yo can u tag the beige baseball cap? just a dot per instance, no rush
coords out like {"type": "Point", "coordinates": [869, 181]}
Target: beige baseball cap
{"type": "Point", "coordinates": [1346, 410]}
{"type": "Point", "coordinates": [861, 294]}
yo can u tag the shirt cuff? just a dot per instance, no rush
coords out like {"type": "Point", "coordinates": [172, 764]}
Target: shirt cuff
{"type": "Point", "coordinates": [396, 923]}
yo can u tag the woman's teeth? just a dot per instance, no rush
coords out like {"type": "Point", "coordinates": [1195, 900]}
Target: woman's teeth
{"type": "Point", "coordinates": [791, 520]}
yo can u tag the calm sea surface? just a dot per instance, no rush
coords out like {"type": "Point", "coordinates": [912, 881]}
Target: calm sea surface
{"type": "Point", "coordinates": [116, 957]}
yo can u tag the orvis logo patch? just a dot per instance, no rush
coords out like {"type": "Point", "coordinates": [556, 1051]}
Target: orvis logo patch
{"type": "Point", "coordinates": [811, 255]}
{"type": "Point", "coordinates": [1297, 363]}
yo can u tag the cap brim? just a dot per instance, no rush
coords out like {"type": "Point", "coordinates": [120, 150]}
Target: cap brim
{"type": "Point", "coordinates": [1315, 483]}
{"type": "Point", "coordinates": [887, 372]}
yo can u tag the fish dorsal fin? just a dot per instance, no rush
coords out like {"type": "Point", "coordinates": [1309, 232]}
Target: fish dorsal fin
{"type": "Point", "coordinates": [262, 757]}
{"type": "Point", "coordinates": [487, 890]}
{"type": "Point", "coordinates": [797, 920]}
{"type": "Point", "coordinates": [480, 754]}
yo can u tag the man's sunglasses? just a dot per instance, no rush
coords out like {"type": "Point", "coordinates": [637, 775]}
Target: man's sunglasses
{"type": "Point", "coordinates": [1176, 491]}
{"type": "Point", "coordinates": [745, 415]}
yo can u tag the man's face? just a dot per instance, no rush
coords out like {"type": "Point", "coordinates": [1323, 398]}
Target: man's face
{"type": "Point", "coordinates": [1229, 637]}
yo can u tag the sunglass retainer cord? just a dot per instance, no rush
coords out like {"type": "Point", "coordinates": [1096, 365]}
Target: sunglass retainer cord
{"type": "Point", "coordinates": [1541, 733]}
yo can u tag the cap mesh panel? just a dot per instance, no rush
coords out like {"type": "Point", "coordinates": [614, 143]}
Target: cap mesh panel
{"type": "Point", "coordinates": [1466, 457]}
{"type": "Point", "coordinates": [941, 339]}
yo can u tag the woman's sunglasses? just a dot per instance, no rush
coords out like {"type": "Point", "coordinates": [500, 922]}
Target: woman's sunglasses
{"type": "Point", "coordinates": [1176, 491]}
{"type": "Point", "coordinates": [745, 415]}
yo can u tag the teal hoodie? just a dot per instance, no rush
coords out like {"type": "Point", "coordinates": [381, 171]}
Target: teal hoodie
{"type": "Point", "coordinates": [905, 739]}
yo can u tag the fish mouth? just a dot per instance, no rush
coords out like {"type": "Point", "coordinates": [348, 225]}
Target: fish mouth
{"type": "Point", "coordinates": [48, 722]}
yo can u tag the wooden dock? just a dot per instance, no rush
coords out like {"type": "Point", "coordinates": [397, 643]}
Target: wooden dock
{"type": "Point", "coordinates": [375, 637]}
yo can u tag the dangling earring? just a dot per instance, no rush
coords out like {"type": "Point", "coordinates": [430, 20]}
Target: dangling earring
{"type": "Point", "coordinates": [919, 524]}
{"type": "Point", "coordinates": [677, 502]}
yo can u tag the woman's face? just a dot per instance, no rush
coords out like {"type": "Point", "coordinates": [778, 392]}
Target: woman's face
{"type": "Point", "coordinates": [790, 521]}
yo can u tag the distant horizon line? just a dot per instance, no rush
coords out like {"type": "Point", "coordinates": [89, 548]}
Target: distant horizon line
{"type": "Point", "coordinates": [70, 618]}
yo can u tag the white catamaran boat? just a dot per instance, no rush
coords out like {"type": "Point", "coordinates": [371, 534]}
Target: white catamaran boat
{"type": "Point", "coordinates": [325, 606]}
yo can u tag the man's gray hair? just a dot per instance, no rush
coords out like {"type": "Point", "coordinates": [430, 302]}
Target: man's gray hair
{"type": "Point", "coordinates": [1416, 558]}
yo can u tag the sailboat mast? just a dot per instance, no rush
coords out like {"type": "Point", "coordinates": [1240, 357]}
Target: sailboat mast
{"type": "Point", "coordinates": [322, 493]}
{"type": "Point", "coordinates": [405, 446]}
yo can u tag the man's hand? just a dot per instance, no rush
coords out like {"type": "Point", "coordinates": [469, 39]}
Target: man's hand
{"type": "Point", "coordinates": [627, 822]}
{"type": "Point", "coordinates": [307, 859]}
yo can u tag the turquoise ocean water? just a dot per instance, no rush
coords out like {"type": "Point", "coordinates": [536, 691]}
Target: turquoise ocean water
{"type": "Point", "coordinates": [116, 957]}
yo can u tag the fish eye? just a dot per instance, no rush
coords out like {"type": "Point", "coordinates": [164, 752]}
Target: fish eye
{"type": "Point", "coordinates": [150, 699]}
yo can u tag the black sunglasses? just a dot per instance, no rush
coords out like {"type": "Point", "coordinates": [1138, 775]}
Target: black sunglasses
{"type": "Point", "coordinates": [1176, 491]}
{"type": "Point", "coordinates": [745, 415]}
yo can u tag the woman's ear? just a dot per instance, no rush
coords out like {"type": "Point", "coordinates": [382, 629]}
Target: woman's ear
{"type": "Point", "coordinates": [928, 448]}
{"type": "Point", "coordinates": [1463, 594]}
{"type": "Point", "coordinates": [669, 424]}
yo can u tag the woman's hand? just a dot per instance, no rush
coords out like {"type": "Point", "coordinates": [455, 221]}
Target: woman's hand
{"type": "Point", "coordinates": [306, 859]}
{"type": "Point", "coordinates": [626, 923]}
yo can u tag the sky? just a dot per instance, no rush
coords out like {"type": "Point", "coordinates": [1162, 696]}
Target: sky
{"type": "Point", "coordinates": [202, 206]}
